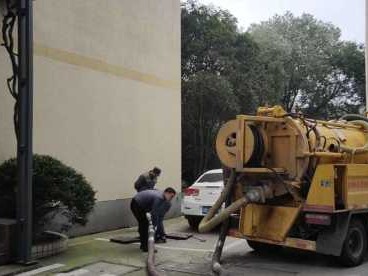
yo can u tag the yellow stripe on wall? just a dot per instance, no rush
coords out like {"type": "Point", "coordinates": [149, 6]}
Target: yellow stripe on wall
{"type": "Point", "coordinates": [102, 66]}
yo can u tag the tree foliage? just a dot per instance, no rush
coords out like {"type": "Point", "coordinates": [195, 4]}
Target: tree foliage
{"type": "Point", "coordinates": [307, 65]}
{"type": "Point", "coordinates": [208, 101]}
{"type": "Point", "coordinates": [215, 58]}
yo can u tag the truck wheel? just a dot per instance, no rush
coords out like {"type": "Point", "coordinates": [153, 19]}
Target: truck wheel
{"type": "Point", "coordinates": [193, 222]}
{"type": "Point", "coordinates": [355, 244]}
{"type": "Point", "coordinates": [261, 247]}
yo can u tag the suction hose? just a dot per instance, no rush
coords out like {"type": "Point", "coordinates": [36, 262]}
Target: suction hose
{"type": "Point", "coordinates": [354, 117]}
{"type": "Point", "coordinates": [363, 149]}
{"type": "Point", "coordinates": [216, 257]}
{"type": "Point", "coordinates": [211, 220]}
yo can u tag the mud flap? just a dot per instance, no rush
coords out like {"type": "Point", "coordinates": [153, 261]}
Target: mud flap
{"type": "Point", "coordinates": [330, 242]}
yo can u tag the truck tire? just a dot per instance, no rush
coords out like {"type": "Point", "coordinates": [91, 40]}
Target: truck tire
{"type": "Point", "coordinates": [355, 244]}
{"type": "Point", "coordinates": [262, 247]}
{"type": "Point", "coordinates": [193, 222]}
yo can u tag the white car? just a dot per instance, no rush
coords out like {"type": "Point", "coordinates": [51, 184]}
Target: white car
{"type": "Point", "coordinates": [199, 198]}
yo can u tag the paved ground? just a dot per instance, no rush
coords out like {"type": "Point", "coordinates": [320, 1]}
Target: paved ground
{"type": "Point", "coordinates": [95, 255]}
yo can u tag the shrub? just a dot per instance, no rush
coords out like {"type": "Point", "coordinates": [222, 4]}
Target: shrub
{"type": "Point", "coordinates": [57, 189]}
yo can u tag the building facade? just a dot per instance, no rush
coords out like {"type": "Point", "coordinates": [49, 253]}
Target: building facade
{"type": "Point", "coordinates": [106, 96]}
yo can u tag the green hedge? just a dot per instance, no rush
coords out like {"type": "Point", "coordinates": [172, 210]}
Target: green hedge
{"type": "Point", "coordinates": [57, 189]}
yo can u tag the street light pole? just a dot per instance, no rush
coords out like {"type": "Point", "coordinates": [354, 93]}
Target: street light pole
{"type": "Point", "coordinates": [24, 150]}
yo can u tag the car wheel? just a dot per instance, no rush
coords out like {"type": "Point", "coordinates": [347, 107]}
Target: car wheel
{"type": "Point", "coordinates": [355, 244]}
{"type": "Point", "coordinates": [194, 222]}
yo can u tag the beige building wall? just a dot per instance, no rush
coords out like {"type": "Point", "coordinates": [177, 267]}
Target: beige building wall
{"type": "Point", "coordinates": [107, 90]}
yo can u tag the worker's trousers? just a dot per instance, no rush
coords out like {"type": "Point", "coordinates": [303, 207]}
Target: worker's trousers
{"type": "Point", "coordinates": [140, 215]}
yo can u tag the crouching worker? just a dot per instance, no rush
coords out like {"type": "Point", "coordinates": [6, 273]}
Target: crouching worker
{"type": "Point", "coordinates": [157, 203]}
{"type": "Point", "coordinates": [148, 180]}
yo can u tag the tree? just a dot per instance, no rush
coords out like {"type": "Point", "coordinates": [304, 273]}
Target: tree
{"type": "Point", "coordinates": [212, 43]}
{"type": "Point", "coordinates": [349, 59]}
{"type": "Point", "coordinates": [208, 101]}
{"type": "Point", "coordinates": [308, 66]}
{"type": "Point", "coordinates": [207, 37]}
{"type": "Point", "coordinates": [217, 61]}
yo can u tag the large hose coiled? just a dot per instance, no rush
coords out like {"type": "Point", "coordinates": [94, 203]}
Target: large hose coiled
{"type": "Point", "coordinates": [259, 148]}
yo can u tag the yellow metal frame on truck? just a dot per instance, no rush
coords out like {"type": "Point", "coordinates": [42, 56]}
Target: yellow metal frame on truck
{"type": "Point", "coordinates": [321, 195]}
{"type": "Point", "coordinates": [349, 181]}
{"type": "Point", "coordinates": [267, 222]}
{"type": "Point", "coordinates": [355, 186]}
{"type": "Point", "coordinates": [271, 224]}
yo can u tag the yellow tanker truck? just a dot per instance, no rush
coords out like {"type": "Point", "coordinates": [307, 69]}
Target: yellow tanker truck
{"type": "Point", "coordinates": [294, 182]}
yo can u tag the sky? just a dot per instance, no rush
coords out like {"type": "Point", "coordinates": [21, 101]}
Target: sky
{"type": "Point", "coordinates": [348, 15]}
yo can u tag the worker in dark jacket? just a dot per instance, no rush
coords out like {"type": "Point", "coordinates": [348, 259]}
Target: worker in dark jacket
{"type": "Point", "coordinates": [157, 203]}
{"type": "Point", "coordinates": [148, 180]}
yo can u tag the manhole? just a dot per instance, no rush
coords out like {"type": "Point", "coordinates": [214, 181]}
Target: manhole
{"type": "Point", "coordinates": [100, 269]}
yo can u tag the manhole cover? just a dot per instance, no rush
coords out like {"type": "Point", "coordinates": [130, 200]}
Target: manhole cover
{"type": "Point", "coordinates": [100, 269]}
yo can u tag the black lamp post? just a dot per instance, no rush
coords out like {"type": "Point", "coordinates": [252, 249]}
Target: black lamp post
{"type": "Point", "coordinates": [24, 150]}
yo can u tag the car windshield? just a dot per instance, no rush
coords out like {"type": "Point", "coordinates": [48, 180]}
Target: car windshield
{"type": "Point", "coordinates": [211, 177]}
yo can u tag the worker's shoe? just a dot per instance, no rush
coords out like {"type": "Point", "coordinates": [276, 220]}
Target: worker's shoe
{"type": "Point", "coordinates": [145, 249]}
{"type": "Point", "coordinates": [160, 240]}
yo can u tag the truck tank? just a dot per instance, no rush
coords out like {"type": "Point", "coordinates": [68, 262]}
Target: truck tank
{"type": "Point", "coordinates": [293, 144]}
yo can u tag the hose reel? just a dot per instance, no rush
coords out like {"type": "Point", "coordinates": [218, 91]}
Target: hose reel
{"type": "Point", "coordinates": [229, 138]}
